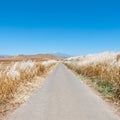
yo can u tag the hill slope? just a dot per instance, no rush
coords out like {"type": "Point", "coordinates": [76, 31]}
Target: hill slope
{"type": "Point", "coordinates": [36, 57]}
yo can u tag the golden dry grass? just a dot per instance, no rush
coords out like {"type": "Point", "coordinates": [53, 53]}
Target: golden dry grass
{"type": "Point", "coordinates": [104, 69]}
{"type": "Point", "coordinates": [16, 79]}
{"type": "Point", "coordinates": [118, 57]}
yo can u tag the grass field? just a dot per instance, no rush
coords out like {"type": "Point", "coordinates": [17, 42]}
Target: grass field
{"type": "Point", "coordinates": [17, 80]}
{"type": "Point", "coordinates": [102, 69]}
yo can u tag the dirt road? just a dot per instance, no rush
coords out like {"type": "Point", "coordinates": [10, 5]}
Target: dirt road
{"type": "Point", "coordinates": [64, 97]}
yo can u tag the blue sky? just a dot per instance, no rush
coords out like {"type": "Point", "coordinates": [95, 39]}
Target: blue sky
{"type": "Point", "coordinates": [70, 26]}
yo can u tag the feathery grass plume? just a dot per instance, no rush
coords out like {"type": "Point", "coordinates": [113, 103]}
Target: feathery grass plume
{"type": "Point", "coordinates": [105, 66]}
{"type": "Point", "coordinates": [16, 78]}
{"type": "Point", "coordinates": [15, 75]}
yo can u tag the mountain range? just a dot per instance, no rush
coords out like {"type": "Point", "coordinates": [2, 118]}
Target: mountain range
{"type": "Point", "coordinates": [62, 54]}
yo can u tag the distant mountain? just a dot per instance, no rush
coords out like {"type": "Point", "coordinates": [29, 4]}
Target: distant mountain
{"type": "Point", "coordinates": [4, 56]}
{"type": "Point", "coordinates": [62, 54]}
{"type": "Point", "coordinates": [36, 57]}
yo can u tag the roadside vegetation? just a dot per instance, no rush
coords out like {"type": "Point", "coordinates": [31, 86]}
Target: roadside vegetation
{"type": "Point", "coordinates": [102, 70]}
{"type": "Point", "coordinates": [18, 80]}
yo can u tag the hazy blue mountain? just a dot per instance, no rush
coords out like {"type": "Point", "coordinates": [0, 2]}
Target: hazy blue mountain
{"type": "Point", "coordinates": [62, 54]}
{"type": "Point", "coordinates": [4, 56]}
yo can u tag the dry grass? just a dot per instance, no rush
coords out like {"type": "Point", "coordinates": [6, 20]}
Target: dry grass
{"type": "Point", "coordinates": [118, 57]}
{"type": "Point", "coordinates": [103, 69]}
{"type": "Point", "coordinates": [16, 79]}
{"type": "Point", "coordinates": [34, 57]}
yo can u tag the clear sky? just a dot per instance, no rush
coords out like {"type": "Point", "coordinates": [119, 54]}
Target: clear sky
{"type": "Point", "coordinates": [69, 26]}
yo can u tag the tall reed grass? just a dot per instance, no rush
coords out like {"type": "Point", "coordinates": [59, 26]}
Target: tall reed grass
{"type": "Point", "coordinates": [16, 75]}
{"type": "Point", "coordinates": [104, 69]}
